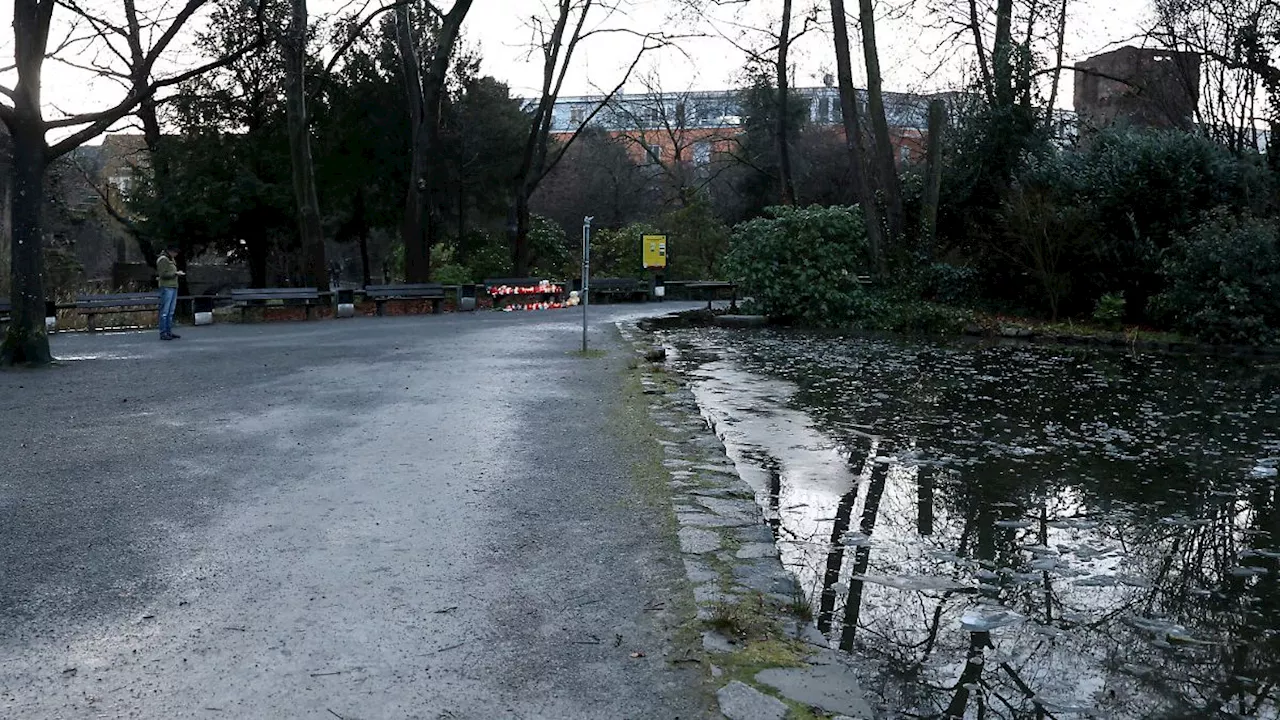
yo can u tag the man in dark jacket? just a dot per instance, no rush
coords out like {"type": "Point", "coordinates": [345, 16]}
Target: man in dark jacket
{"type": "Point", "coordinates": [169, 273]}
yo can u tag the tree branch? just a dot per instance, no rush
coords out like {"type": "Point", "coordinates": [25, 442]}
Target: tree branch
{"type": "Point", "coordinates": [353, 34]}
{"type": "Point", "coordinates": [99, 122]}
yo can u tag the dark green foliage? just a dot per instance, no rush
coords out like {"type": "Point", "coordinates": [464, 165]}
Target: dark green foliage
{"type": "Point", "coordinates": [550, 254]}
{"type": "Point", "coordinates": [1142, 188]}
{"type": "Point", "coordinates": [1109, 312]}
{"type": "Point", "coordinates": [754, 183]}
{"type": "Point", "coordinates": [802, 264]}
{"type": "Point", "coordinates": [696, 241]}
{"type": "Point", "coordinates": [913, 316]}
{"type": "Point", "coordinates": [618, 253]}
{"type": "Point", "coordinates": [1224, 280]}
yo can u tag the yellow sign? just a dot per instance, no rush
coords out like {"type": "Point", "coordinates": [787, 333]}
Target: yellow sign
{"type": "Point", "coordinates": [655, 251]}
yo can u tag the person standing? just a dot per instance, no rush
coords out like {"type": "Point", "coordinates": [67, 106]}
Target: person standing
{"type": "Point", "coordinates": [168, 272]}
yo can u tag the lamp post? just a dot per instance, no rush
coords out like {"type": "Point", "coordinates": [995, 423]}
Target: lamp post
{"type": "Point", "coordinates": [586, 275]}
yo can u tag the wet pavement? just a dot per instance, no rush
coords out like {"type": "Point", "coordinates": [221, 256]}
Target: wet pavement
{"type": "Point", "coordinates": [419, 517]}
{"type": "Point", "coordinates": [1016, 531]}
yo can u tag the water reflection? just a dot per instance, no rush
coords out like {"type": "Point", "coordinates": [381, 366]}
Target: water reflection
{"type": "Point", "coordinates": [1017, 532]}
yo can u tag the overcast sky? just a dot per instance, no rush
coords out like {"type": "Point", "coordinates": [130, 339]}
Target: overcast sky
{"type": "Point", "coordinates": [500, 30]}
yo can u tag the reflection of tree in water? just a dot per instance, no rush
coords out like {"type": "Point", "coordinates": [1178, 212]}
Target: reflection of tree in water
{"type": "Point", "coordinates": [1099, 497]}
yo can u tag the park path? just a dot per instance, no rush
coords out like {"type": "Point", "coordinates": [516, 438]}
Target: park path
{"type": "Point", "coordinates": [422, 517]}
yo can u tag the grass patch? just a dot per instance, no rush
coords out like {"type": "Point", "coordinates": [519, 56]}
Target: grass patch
{"type": "Point", "coordinates": [800, 606]}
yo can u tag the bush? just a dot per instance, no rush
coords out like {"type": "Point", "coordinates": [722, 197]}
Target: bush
{"type": "Point", "coordinates": [549, 247]}
{"type": "Point", "coordinates": [1141, 189]}
{"type": "Point", "coordinates": [949, 284]}
{"type": "Point", "coordinates": [453, 274]}
{"type": "Point", "coordinates": [801, 264]}
{"type": "Point", "coordinates": [617, 253]}
{"type": "Point", "coordinates": [1109, 312]}
{"type": "Point", "coordinates": [1223, 280]}
{"type": "Point", "coordinates": [914, 316]}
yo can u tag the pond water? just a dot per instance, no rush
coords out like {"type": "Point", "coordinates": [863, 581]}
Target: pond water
{"type": "Point", "coordinates": [1017, 531]}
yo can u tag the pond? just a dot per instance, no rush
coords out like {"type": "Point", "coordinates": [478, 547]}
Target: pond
{"type": "Point", "coordinates": [1016, 531]}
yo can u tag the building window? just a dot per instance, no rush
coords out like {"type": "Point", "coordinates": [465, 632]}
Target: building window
{"type": "Point", "coordinates": [702, 153]}
{"type": "Point", "coordinates": [655, 153]}
{"type": "Point", "coordinates": [824, 111]}
{"type": "Point", "coordinates": [577, 115]}
{"type": "Point", "coordinates": [904, 154]}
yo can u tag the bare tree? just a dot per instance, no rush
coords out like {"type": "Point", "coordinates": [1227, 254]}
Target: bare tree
{"type": "Point", "coordinates": [1237, 41]}
{"type": "Point", "coordinates": [304, 177]}
{"type": "Point", "coordinates": [775, 55]}
{"type": "Point", "coordinates": [23, 116]}
{"type": "Point", "coordinates": [781, 134]}
{"type": "Point", "coordinates": [556, 39]}
{"type": "Point", "coordinates": [667, 129]}
{"type": "Point", "coordinates": [854, 137]}
{"type": "Point", "coordinates": [886, 169]}
{"type": "Point", "coordinates": [425, 91]}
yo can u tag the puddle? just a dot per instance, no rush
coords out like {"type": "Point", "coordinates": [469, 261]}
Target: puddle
{"type": "Point", "coordinates": [1017, 531]}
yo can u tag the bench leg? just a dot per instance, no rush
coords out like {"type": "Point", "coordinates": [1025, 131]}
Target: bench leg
{"type": "Point", "coordinates": [380, 307]}
{"type": "Point", "coordinates": [435, 307]}
{"type": "Point", "coordinates": [306, 313]}
{"type": "Point", "coordinates": [89, 321]}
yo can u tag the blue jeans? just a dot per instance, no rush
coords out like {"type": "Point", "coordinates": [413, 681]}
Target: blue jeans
{"type": "Point", "coordinates": [168, 302]}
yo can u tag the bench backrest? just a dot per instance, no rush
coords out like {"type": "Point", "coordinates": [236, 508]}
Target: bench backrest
{"type": "Point", "coordinates": [275, 294]}
{"type": "Point", "coordinates": [615, 284]}
{"type": "Point", "coordinates": [5, 305]}
{"type": "Point", "coordinates": [117, 300]}
{"type": "Point", "coordinates": [412, 290]}
{"type": "Point", "coordinates": [513, 282]}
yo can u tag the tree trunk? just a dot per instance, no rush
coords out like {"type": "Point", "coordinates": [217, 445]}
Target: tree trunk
{"type": "Point", "coordinates": [360, 221]}
{"type": "Point", "coordinates": [835, 561]}
{"type": "Point", "coordinates": [862, 555]}
{"type": "Point", "coordinates": [981, 49]}
{"type": "Point", "coordinates": [933, 177]}
{"type": "Point", "coordinates": [316, 273]}
{"type": "Point", "coordinates": [886, 170]}
{"type": "Point", "coordinates": [257, 261]}
{"type": "Point", "coordinates": [1002, 54]}
{"type": "Point", "coordinates": [518, 227]}
{"type": "Point", "coordinates": [26, 341]}
{"type": "Point", "coordinates": [781, 134]}
{"type": "Point", "coordinates": [413, 229]}
{"type": "Point", "coordinates": [425, 96]}
{"type": "Point", "coordinates": [152, 136]}
{"type": "Point", "coordinates": [854, 139]}
{"type": "Point", "coordinates": [1057, 72]}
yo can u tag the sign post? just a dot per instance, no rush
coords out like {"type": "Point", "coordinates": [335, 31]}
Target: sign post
{"type": "Point", "coordinates": [586, 276]}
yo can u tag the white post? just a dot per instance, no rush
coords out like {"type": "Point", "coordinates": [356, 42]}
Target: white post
{"type": "Point", "coordinates": [586, 276]}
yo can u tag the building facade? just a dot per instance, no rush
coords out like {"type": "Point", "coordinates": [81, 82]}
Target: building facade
{"type": "Point", "coordinates": [693, 126]}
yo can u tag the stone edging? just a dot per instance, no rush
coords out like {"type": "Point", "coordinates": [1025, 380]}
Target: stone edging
{"type": "Point", "coordinates": [767, 659]}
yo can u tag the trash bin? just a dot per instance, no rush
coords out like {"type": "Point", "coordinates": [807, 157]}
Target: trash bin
{"type": "Point", "coordinates": [202, 307]}
{"type": "Point", "coordinates": [50, 316]}
{"type": "Point", "coordinates": [346, 298]}
{"type": "Point", "coordinates": [466, 298]}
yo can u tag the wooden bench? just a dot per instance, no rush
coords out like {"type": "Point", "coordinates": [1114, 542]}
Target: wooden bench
{"type": "Point", "coordinates": [615, 289]}
{"type": "Point", "coordinates": [711, 289]}
{"type": "Point", "coordinates": [92, 306]}
{"type": "Point", "coordinates": [6, 308]}
{"type": "Point", "coordinates": [380, 294]}
{"type": "Point", "coordinates": [245, 298]}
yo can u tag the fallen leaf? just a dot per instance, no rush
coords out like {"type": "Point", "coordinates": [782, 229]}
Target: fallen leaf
{"type": "Point", "coordinates": [637, 654]}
